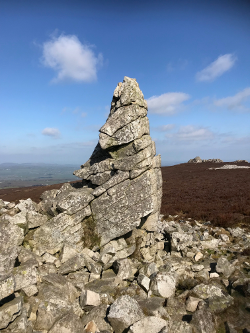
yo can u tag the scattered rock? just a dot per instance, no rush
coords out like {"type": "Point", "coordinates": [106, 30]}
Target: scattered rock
{"type": "Point", "coordinates": [124, 312]}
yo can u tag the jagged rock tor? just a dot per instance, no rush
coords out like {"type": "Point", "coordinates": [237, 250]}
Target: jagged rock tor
{"type": "Point", "coordinates": [123, 170]}
{"type": "Point", "coordinates": [122, 182]}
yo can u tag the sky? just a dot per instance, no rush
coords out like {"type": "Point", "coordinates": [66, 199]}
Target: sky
{"type": "Point", "coordinates": [60, 62]}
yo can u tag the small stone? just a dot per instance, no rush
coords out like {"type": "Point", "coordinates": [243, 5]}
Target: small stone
{"type": "Point", "coordinates": [25, 275]}
{"type": "Point", "coordinates": [30, 290]}
{"type": "Point", "coordinates": [198, 256]}
{"type": "Point", "coordinates": [49, 258]}
{"type": "Point", "coordinates": [123, 268]}
{"type": "Point", "coordinates": [192, 303]}
{"type": "Point", "coordinates": [214, 275]}
{"type": "Point", "coordinates": [7, 287]}
{"type": "Point", "coordinates": [223, 266]}
{"type": "Point", "coordinates": [91, 327]}
{"type": "Point", "coordinates": [89, 298]}
{"type": "Point", "coordinates": [148, 324]}
{"type": "Point", "coordinates": [93, 276]}
{"type": "Point", "coordinates": [225, 282]}
{"type": "Point", "coordinates": [67, 253]}
{"type": "Point", "coordinates": [190, 254]}
{"type": "Point", "coordinates": [197, 268]}
{"type": "Point", "coordinates": [224, 237]}
{"type": "Point", "coordinates": [143, 282]}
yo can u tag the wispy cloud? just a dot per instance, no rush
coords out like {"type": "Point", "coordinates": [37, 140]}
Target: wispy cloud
{"type": "Point", "coordinates": [181, 64]}
{"type": "Point", "coordinates": [70, 59]}
{"type": "Point", "coordinates": [167, 104]}
{"type": "Point", "coordinates": [191, 133]}
{"type": "Point", "coordinates": [235, 102]}
{"type": "Point", "coordinates": [221, 65]}
{"type": "Point", "coordinates": [164, 128]}
{"type": "Point", "coordinates": [53, 132]}
{"type": "Point", "coordinates": [83, 114]}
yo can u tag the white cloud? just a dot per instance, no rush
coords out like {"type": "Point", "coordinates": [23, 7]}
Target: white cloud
{"type": "Point", "coordinates": [217, 68]}
{"type": "Point", "coordinates": [71, 59]}
{"type": "Point", "coordinates": [54, 132]}
{"type": "Point", "coordinates": [83, 114]}
{"type": "Point", "coordinates": [165, 128]}
{"type": "Point", "coordinates": [235, 102]}
{"type": "Point", "coordinates": [181, 64]}
{"type": "Point", "coordinates": [170, 67]}
{"type": "Point", "coordinates": [192, 133]}
{"type": "Point", "coordinates": [76, 110]}
{"type": "Point", "coordinates": [167, 104]}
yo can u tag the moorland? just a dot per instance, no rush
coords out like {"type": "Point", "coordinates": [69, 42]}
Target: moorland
{"type": "Point", "coordinates": [189, 190]}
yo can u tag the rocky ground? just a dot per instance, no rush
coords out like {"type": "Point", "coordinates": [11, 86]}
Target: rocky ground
{"type": "Point", "coordinates": [186, 276]}
{"type": "Point", "coordinates": [96, 256]}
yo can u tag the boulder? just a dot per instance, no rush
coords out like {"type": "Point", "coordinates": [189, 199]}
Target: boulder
{"type": "Point", "coordinates": [223, 266]}
{"type": "Point", "coordinates": [124, 312]}
{"type": "Point", "coordinates": [163, 285]}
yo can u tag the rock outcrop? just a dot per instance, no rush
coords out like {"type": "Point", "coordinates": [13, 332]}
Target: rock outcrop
{"type": "Point", "coordinates": [99, 258]}
{"type": "Point", "coordinates": [197, 159]}
{"type": "Point", "coordinates": [122, 182]}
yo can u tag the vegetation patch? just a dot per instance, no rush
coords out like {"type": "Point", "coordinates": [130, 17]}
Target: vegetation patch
{"type": "Point", "coordinates": [90, 237]}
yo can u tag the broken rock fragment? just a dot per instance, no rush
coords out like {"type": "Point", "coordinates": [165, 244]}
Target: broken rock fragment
{"type": "Point", "coordinates": [124, 312]}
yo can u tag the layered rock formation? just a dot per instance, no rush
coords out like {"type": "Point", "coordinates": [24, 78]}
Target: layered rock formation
{"type": "Point", "coordinates": [122, 182]}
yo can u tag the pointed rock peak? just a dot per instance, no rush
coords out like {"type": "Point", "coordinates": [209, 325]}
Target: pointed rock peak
{"type": "Point", "coordinates": [122, 181]}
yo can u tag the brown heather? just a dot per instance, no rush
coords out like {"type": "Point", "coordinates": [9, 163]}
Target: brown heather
{"type": "Point", "coordinates": [219, 196]}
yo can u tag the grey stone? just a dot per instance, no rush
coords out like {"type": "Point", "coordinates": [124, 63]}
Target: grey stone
{"type": "Point", "coordinates": [223, 266]}
{"type": "Point", "coordinates": [180, 241]}
{"type": "Point", "coordinates": [203, 321]}
{"type": "Point", "coordinates": [35, 219]}
{"type": "Point", "coordinates": [25, 275]}
{"type": "Point", "coordinates": [7, 286]}
{"type": "Point", "coordinates": [143, 281]}
{"type": "Point", "coordinates": [149, 324]}
{"type": "Point", "coordinates": [123, 269]}
{"type": "Point", "coordinates": [124, 312]}
{"type": "Point", "coordinates": [153, 306]}
{"type": "Point", "coordinates": [9, 312]}
{"type": "Point", "coordinates": [60, 230]}
{"type": "Point", "coordinates": [73, 264]}
{"type": "Point", "coordinates": [11, 236]}
{"type": "Point", "coordinates": [192, 303]}
{"type": "Point", "coordinates": [98, 314]}
{"type": "Point", "coordinates": [68, 323]}
{"type": "Point", "coordinates": [56, 297]}
{"type": "Point", "coordinates": [204, 291]}
{"type": "Point", "coordinates": [163, 285]}
{"type": "Point", "coordinates": [89, 299]}
{"type": "Point", "coordinates": [19, 325]}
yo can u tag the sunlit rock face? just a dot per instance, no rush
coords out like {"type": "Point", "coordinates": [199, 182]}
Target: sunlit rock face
{"type": "Point", "coordinates": [123, 170]}
{"type": "Point", "coordinates": [121, 188]}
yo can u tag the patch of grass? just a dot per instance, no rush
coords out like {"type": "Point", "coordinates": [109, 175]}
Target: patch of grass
{"type": "Point", "coordinates": [90, 237]}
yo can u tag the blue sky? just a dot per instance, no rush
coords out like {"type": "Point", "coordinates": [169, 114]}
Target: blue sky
{"type": "Point", "coordinates": [60, 62]}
